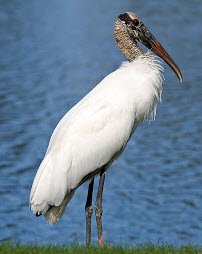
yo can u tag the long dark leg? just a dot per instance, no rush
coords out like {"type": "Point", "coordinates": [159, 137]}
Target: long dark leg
{"type": "Point", "coordinates": [98, 208]}
{"type": "Point", "coordinates": [89, 212]}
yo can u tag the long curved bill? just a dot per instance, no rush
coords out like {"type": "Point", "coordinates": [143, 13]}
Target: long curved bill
{"type": "Point", "coordinates": [147, 38]}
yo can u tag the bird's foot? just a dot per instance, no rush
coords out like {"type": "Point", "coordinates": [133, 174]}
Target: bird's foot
{"type": "Point", "coordinates": [100, 242]}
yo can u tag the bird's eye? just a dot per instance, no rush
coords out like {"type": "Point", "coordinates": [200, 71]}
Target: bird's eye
{"type": "Point", "coordinates": [136, 22]}
{"type": "Point", "coordinates": [133, 27]}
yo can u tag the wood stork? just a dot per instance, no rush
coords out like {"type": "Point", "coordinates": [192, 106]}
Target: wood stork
{"type": "Point", "coordinates": [96, 130]}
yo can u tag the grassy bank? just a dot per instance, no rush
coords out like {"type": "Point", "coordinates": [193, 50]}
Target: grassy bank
{"type": "Point", "coordinates": [48, 249]}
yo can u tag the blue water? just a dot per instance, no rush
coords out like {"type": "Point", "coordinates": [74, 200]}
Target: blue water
{"type": "Point", "coordinates": [51, 54]}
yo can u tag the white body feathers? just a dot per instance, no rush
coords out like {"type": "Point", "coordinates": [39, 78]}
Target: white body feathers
{"type": "Point", "coordinates": [95, 131]}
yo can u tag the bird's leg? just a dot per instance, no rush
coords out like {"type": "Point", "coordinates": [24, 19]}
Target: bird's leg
{"type": "Point", "coordinates": [98, 208]}
{"type": "Point", "coordinates": [89, 212]}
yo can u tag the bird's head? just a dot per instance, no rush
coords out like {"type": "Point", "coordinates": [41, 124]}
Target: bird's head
{"type": "Point", "coordinates": [138, 31]}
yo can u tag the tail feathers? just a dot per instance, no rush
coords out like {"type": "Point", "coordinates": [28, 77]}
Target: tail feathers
{"type": "Point", "coordinates": [50, 183]}
{"type": "Point", "coordinates": [54, 213]}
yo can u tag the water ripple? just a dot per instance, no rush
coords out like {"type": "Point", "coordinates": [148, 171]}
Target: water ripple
{"type": "Point", "coordinates": [49, 60]}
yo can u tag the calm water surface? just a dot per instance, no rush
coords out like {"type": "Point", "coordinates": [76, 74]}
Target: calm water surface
{"type": "Point", "coordinates": [51, 54]}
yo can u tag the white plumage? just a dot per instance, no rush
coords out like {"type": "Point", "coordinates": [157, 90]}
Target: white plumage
{"type": "Point", "coordinates": [95, 131]}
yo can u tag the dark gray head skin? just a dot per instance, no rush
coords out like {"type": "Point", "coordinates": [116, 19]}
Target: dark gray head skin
{"type": "Point", "coordinates": [138, 31]}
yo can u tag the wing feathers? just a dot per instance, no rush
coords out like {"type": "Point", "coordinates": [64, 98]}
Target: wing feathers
{"type": "Point", "coordinates": [50, 184]}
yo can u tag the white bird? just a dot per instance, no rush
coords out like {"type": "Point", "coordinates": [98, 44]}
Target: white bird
{"type": "Point", "coordinates": [96, 130]}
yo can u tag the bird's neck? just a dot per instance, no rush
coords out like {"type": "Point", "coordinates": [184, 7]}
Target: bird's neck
{"type": "Point", "coordinates": [127, 46]}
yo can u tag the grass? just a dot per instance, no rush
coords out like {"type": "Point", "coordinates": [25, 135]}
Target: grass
{"type": "Point", "coordinates": [77, 249]}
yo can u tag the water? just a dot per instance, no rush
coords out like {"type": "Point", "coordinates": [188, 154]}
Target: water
{"type": "Point", "coordinates": [54, 52]}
